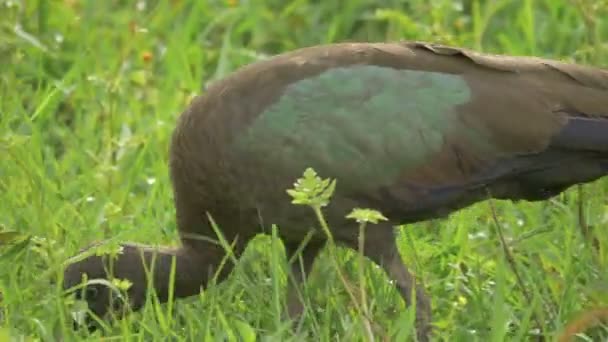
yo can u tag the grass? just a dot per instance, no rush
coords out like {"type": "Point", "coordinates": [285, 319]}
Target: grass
{"type": "Point", "coordinates": [89, 93]}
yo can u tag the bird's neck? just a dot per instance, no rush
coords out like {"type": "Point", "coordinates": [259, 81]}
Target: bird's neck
{"type": "Point", "coordinates": [186, 269]}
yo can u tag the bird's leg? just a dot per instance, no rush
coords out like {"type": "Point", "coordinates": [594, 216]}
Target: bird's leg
{"type": "Point", "coordinates": [299, 271]}
{"type": "Point", "coordinates": [382, 249]}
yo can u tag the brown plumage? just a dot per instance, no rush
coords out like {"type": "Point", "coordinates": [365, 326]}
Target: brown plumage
{"type": "Point", "coordinates": [414, 130]}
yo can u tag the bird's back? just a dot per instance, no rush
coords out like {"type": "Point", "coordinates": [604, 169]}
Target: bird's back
{"type": "Point", "coordinates": [409, 128]}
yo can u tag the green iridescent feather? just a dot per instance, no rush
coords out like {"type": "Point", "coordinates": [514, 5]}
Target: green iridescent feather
{"type": "Point", "coordinates": [361, 122]}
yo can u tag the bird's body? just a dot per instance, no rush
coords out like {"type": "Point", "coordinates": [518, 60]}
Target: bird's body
{"type": "Point", "coordinates": [414, 130]}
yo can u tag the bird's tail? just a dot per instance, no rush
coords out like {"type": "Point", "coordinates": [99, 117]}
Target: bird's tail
{"type": "Point", "coordinates": [584, 134]}
{"type": "Point", "coordinates": [578, 153]}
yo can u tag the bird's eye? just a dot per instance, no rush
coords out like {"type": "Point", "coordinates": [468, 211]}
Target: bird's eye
{"type": "Point", "coordinates": [116, 303]}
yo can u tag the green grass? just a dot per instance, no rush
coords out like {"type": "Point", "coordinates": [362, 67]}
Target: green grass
{"type": "Point", "coordinates": [89, 93]}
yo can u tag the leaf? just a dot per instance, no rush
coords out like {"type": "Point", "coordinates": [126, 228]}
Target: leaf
{"type": "Point", "coordinates": [122, 284]}
{"type": "Point", "coordinates": [366, 215]}
{"type": "Point", "coordinates": [10, 237]}
{"type": "Point", "coordinates": [111, 209]}
{"type": "Point", "coordinates": [16, 249]}
{"type": "Point", "coordinates": [111, 248]}
{"type": "Point", "coordinates": [7, 335]}
{"type": "Point", "coordinates": [139, 77]}
{"type": "Point", "coordinates": [245, 331]}
{"type": "Point", "coordinates": [312, 190]}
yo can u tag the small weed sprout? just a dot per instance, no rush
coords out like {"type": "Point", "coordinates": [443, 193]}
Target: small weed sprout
{"type": "Point", "coordinates": [315, 192]}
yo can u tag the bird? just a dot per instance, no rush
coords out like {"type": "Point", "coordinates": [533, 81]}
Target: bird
{"type": "Point", "coordinates": [416, 130]}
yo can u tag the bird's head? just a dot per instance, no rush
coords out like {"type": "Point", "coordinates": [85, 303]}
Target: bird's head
{"type": "Point", "coordinates": [113, 283]}
{"type": "Point", "coordinates": [99, 281]}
